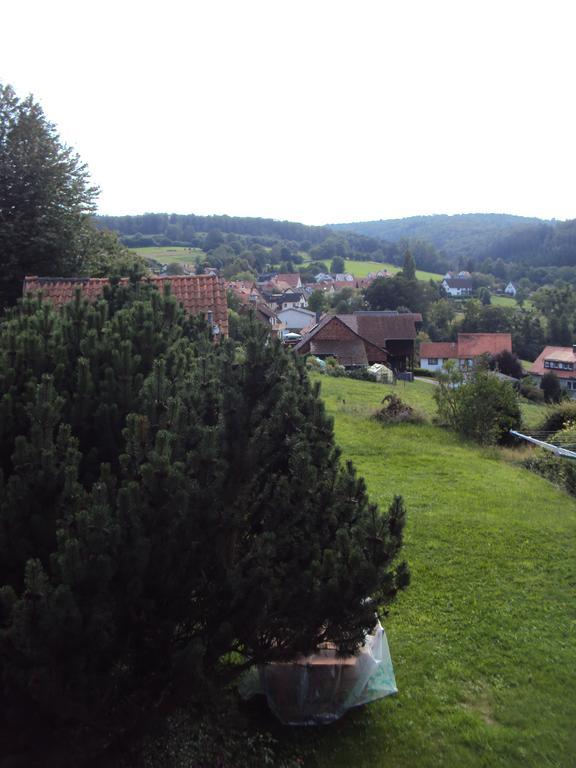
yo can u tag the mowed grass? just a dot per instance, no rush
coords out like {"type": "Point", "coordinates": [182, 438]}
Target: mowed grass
{"type": "Point", "coordinates": [363, 398]}
{"type": "Point", "coordinates": [509, 301]}
{"type": "Point", "coordinates": [170, 254]}
{"type": "Point", "coordinates": [484, 639]}
{"type": "Point", "coordinates": [363, 269]}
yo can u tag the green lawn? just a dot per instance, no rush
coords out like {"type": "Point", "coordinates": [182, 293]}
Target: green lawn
{"type": "Point", "coordinates": [363, 268]}
{"type": "Point", "coordinates": [508, 301]}
{"type": "Point", "coordinates": [483, 641]}
{"type": "Point", "coordinates": [170, 254]}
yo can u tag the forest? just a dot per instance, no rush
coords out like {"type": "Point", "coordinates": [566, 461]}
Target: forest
{"type": "Point", "coordinates": [527, 247]}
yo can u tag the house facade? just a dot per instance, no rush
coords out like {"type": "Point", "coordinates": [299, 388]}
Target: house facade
{"type": "Point", "coordinates": [561, 361]}
{"type": "Point", "coordinates": [464, 352]}
{"type": "Point", "coordinates": [364, 338]}
{"type": "Point", "coordinates": [510, 290]}
{"type": "Point", "coordinates": [296, 318]}
{"type": "Point", "coordinates": [457, 286]}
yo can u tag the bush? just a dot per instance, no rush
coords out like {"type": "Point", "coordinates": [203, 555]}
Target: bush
{"type": "Point", "coordinates": [507, 363]}
{"type": "Point", "coordinates": [361, 374]}
{"type": "Point", "coordinates": [559, 417]}
{"type": "Point", "coordinates": [396, 411]}
{"type": "Point", "coordinates": [211, 742]}
{"type": "Point", "coordinates": [551, 388]}
{"type": "Point", "coordinates": [333, 367]}
{"type": "Point", "coordinates": [482, 408]}
{"type": "Point", "coordinates": [561, 472]}
{"type": "Point", "coordinates": [531, 392]}
{"type": "Point", "coordinates": [170, 509]}
{"type": "Point", "coordinates": [424, 372]}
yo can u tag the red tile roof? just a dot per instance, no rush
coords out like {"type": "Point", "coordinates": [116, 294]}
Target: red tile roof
{"type": "Point", "coordinates": [380, 327]}
{"type": "Point", "coordinates": [198, 294]}
{"type": "Point", "coordinates": [292, 279]}
{"type": "Point", "coordinates": [468, 346]}
{"type": "Point", "coordinates": [559, 355]}
{"type": "Point", "coordinates": [439, 349]}
{"type": "Point", "coordinates": [475, 344]}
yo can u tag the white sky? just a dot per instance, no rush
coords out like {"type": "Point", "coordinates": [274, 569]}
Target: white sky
{"type": "Point", "coordinates": [317, 111]}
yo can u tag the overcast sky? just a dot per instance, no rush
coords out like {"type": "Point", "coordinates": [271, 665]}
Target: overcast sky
{"type": "Point", "coordinates": [317, 111]}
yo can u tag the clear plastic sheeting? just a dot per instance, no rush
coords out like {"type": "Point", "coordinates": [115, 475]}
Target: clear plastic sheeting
{"type": "Point", "coordinates": [321, 688]}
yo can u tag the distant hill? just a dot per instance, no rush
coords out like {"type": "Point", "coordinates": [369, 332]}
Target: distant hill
{"type": "Point", "coordinates": [468, 235]}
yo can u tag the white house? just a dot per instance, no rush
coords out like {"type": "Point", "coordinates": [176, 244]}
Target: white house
{"type": "Point", "coordinates": [561, 361]}
{"type": "Point", "coordinates": [464, 352]}
{"type": "Point", "coordinates": [296, 318]}
{"type": "Point", "coordinates": [457, 286]}
{"type": "Point", "coordinates": [510, 290]}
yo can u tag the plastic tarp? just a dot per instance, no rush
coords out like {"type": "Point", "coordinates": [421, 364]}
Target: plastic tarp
{"type": "Point", "coordinates": [321, 688]}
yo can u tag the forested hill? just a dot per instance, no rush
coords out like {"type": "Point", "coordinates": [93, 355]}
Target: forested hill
{"type": "Point", "coordinates": [184, 228]}
{"type": "Point", "coordinates": [469, 235]}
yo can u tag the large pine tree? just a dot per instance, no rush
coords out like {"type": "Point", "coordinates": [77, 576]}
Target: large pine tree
{"type": "Point", "coordinates": [171, 511]}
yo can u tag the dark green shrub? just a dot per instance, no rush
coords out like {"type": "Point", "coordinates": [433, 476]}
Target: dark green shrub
{"type": "Point", "coordinates": [551, 388]}
{"type": "Point", "coordinates": [531, 392]}
{"type": "Point", "coordinates": [424, 372]}
{"type": "Point", "coordinates": [169, 508]}
{"type": "Point", "coordinates": [361, 374]}
{"type": "Point", "coordinates": [558, 417]}
{"type": "Point", "coordinates": [482, 408]}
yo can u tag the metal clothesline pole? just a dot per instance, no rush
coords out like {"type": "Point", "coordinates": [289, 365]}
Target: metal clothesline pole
{"type": "Point", "coordinates": [564, 452]}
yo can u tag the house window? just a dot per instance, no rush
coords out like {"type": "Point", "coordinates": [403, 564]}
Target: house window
{"type": "Point", "coordinates": [432, 361]}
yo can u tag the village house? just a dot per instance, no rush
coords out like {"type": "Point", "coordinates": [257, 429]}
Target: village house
{"type": "Point", "coordinates": [457, 286]}
{"type": "Point", "coordinates": [464, 352]}
{"type": "Point", "coordinates": [296, 318]}
{"type": "Point", "coordinates": [198, 294]}
{"type": "Point", "coordinates": [265, 315]}
{"type": "Point", "coordinates": [284, 280]}
{"type": "Point", "coordinates": [510, 290]}
{"type": "Point", "coordinates": [561, 361]}
{"type": "Point", "coordinates": [364, 338]}
{"type": "Point", "coordinates": [287, 299]}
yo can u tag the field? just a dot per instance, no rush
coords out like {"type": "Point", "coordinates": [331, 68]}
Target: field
{"type": "Point", "coordinates": [363, 268]}
{"type": "Point", "coordinates": [483, 639]}
{"type": "Point", "coordinates": [508, 301]}
{"type": "Point", "coordinates": [170, 254]}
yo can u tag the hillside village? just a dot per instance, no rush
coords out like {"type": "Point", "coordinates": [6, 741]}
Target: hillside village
{"type": "Point", "coordinates": [279, 494]}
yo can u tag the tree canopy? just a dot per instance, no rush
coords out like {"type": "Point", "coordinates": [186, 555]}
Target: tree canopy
{"type": "Point", "coordinates": [46, 203]}
{"type": "Point", "coordinates": [171, 510]}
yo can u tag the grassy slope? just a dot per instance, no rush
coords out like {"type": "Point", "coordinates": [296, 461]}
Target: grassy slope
{"type": "Point", "coordinates": [483, 640]}
{"type": "Point", "coordinates": [508, 301]}
{"type": "Point", "coordinates": [362, 268]}
{"type": "Point", "coordinates": [170, 254]}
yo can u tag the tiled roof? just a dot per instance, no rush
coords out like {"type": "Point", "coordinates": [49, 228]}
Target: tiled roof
{"type": "Point", "coordinates": [380, 327]}
{"type": "Point", "coordinates": [292, 279]}
{"type": "Point", "coordinates": [197, 294]}
{"type": "Point", "coordinates": [559, 355]}
{"type": "Point", "coordinates": [469, 345]}
{"type": "Point", "coordinates": [475, 344]}
{"type": "Point", "coordinates": [458, 282]}
{"type": "Point", "coordinates": [439, 349]}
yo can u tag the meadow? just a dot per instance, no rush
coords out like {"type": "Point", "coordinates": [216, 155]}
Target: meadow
{"type": "Point", "coordinates": [170, 254]}
{"type": "Point", "coordinates": [363, 268]}
{"type": "Point", "coordinates": [483, 639]}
